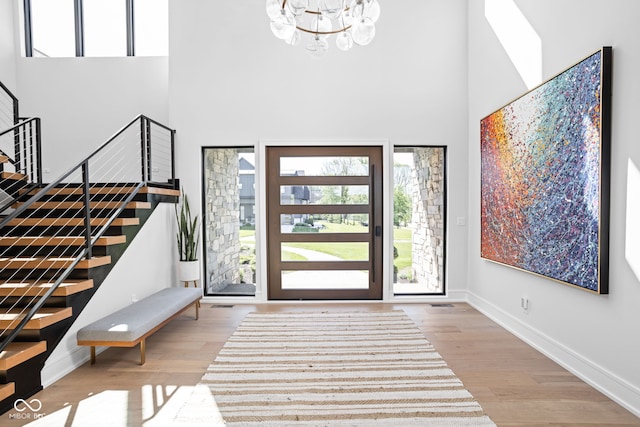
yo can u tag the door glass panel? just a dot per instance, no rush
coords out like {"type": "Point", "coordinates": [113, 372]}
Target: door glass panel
{"type": "Point", "coordinates": [326, 251]}
{"type": "Point", "coordinates": [419, 218]}
{"type": "Point", "coordinates": [324, 166]}
{"type": "Point", "coordinates": [229, 221]}
{"type": "Point", "coordinates": [324, 279]}
{"type": "Point", "coordinates": [324, 195]}
{"type": "Point", "coordinates": [324, 223]}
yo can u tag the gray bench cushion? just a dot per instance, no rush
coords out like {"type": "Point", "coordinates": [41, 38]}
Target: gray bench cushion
{"type": "Point", "coordinates": [135, 320]}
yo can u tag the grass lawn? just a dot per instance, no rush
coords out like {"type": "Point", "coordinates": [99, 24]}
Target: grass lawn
{"type": "Point", "coordinates": [349, 250]}
{"type": "Point", "coordinates": [404, 255]}
{"type": "Point", "coordinates": [291, 256]}
{"type": "Point", "coordinates": [401, 234]}
{"type": "Point", "coordinates": [331, 227]}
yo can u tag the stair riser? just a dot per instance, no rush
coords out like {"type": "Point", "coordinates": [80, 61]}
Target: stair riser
{"type": "Point", "coordinates": [92, 273]}
{"type": "Point", "coordinates": [51, 334]}
{"type": "Point", "coordinates": [66, 231]}
{"type": "Point", "coordinates": [154, 199]}
{"type": "Point", "coordinates": [12, 187]}
{"type": "Point", "coordinates": [66, 301]}
{"type": "Point", "coordinates": [80, 197]}
{"type": "Point", "coordinates": [27, 381]}
{"type": "Point", "coordinates": [61, 251]}
{"type": "Point", "coordinates": [75, 213]}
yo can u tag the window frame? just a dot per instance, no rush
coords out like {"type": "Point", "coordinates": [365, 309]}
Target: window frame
{"type": "Point", "coordinates": [79, 28]}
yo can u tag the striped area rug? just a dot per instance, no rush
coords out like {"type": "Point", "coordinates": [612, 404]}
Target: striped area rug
{"type": "Point", "coordinates": [333, 369]}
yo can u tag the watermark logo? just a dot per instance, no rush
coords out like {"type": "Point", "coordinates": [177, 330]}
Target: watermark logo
{"type": "Point", "coordinates": [22, 405]}
{"type": "Point", "coordinates": [27, 410]}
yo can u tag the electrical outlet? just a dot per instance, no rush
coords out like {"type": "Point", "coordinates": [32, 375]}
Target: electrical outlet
{"type": "Point", "coordinates": [461, 221]}
{"type": "Point", "coordinates": [524, 304]}
{"type": "Point", "coordinates": [134, 298]}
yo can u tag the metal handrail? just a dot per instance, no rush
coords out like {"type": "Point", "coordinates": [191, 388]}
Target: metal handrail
{"type": "Point", "coordinates": [91, 238]}
{"type": "Point", "coordinates": [14, 100]}
{"type": "Point", "coordinates": [15, 158]}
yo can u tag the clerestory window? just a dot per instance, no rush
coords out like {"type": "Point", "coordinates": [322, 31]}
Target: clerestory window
{"type": "Point", "coordinates": [105, 28]}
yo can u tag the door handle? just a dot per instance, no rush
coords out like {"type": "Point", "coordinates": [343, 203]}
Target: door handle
{"type": "Point", "coordinates": [378, 231]}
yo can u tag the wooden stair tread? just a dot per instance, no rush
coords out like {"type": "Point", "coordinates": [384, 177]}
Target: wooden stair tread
{"type": "Point", "coordinates": [160, 191]}
{"type": "Point", "coordinates": [4, 159]}
{"type": "Point", "coordinates": [13, 176]}
{"type": "Point", "coordinates": [69, 222]}
{"type": "Point", "coordinates": [7, 390]}
{"type": "Point", "coordinates": [16, 288]}
{"type": "Point", "coordinates": [18, 352]}
{"type": "Point", "coordinates": [6, 241]}
{"type": "Point", "coordinates": [52, 262]}
{"type": "Point", "coordinates": [80, 205]}
{"type": "Point", "coordinates": [46, 316]}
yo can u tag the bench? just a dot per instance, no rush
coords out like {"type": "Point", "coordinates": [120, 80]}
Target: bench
{"type": "Point", "coordinates": [131, 325]}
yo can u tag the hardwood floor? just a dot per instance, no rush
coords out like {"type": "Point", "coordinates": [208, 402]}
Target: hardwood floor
{"type": "Point", "coordinates": [514, 383]}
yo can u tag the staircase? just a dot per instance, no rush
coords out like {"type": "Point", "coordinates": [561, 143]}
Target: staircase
{"type": "Point", "coordinates": [59, 241]}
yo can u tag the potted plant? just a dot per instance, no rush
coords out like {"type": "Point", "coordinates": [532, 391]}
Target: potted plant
{"type": "Point", "coordinates": [188, 238]}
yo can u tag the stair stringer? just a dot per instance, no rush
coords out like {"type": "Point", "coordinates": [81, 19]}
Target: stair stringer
{"type": "Point", "coordinates": [147, 265]}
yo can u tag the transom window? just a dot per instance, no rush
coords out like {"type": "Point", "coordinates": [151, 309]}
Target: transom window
{"type": "Point", "coordinates": [67, 28]}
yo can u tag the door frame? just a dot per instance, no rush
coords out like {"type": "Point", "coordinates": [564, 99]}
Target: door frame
{"type": "Point", "coordinates": [375, 208]}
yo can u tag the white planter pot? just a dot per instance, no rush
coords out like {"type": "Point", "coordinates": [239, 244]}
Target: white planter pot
{"type": "Point", "coordinates": [188, 271]}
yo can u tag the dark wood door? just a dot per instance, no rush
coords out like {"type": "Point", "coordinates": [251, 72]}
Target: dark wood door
{"type": "Point", "coordinates": [324, 216]}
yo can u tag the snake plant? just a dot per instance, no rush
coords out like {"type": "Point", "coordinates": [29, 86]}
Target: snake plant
{"type": "Point", "coordinates": [187, 235]}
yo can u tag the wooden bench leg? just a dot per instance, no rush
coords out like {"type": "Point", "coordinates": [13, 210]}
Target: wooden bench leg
{"type": "Point", "coordinates": [197, 309]}
{"type": "Point", "coordinates": [93, 354]}
{"type": "Point", "coordinates": [195, 285]}
{"type": "Point", "coordinates": [143, 350]}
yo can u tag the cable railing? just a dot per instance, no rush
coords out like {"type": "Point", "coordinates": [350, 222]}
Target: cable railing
{"type": "Point", "coordinates": [56, 229]}
{"type": "Point", "coordinates": [20, 145]}
{"type": "Point", "coordinates": [19, 149]}
{"type": "Point", "coordinates": [8, 108]}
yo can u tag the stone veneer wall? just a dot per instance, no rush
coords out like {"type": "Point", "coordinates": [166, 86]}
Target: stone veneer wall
{"type": "Point", "coordinates": [428, 218]}
{"type": "Point", "coordinates": [222, 202]}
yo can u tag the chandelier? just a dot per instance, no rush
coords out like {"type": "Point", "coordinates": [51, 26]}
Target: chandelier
{"type": "Point", "coordinates": [351, 21]}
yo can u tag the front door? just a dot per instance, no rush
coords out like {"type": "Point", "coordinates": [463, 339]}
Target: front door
{"type": "Point", "coordinates": [324, 222]}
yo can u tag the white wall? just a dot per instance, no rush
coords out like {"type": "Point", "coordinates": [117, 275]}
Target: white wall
{"type": "Point", "coordinates": [595, 336]}
{"type": "Point", "coordinates": [233, 83]}
{"type": "Point", "coordinates": [7, 45]}
{"type": "Point", "coordinates": [148, 265]}
{"type": "Point", "coordinates": [84, 101]}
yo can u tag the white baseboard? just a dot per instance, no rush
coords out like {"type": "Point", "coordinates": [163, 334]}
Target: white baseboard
{"type": "Point", "coordinates": [56, 369]}
{"type": "Point", "coordinates": [617, 389]}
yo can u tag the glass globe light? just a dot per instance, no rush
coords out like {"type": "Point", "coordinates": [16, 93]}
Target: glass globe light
{"type": "Point", "coordinates": [363, 31]}
{"type": "Point", "coordinates": [273, 8]}
{"type": "Point", "coordinates": [344, 41]}
{"type": "Point", "coordinates": [284, 25]}
{"type": "Point", "coordinates": [357, 9]}
{"type": "Point", "coordinates": [317, 47]}
{"type": "Point", "coordinates": [332, 8]}
{"type": "Point", "coordinates": [346, 19]}
{"type": "Point", "coordinates": [297, 7]}
{"type": "Point", "coordinates": [372, 10]}
{"type": "Point", "coordinates": [322, 24]}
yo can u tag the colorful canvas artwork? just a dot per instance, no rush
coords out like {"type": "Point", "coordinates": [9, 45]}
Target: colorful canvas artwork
{"type": "Point", "coordinates": [545, 178]}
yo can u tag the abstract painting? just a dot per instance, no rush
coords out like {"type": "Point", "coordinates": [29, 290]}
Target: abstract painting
{"type": "Point", "coordinates": [545, 178]}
